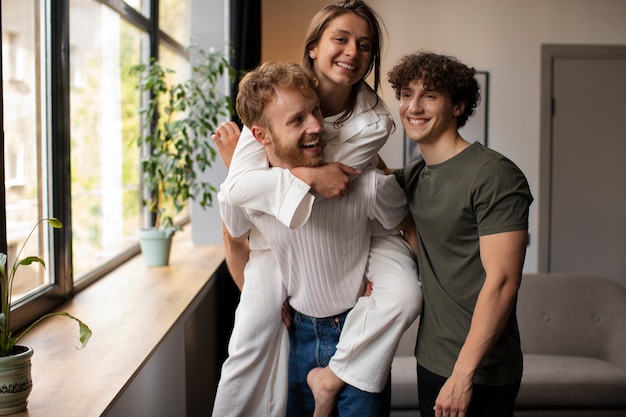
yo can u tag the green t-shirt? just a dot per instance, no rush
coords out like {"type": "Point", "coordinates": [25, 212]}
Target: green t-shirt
{"type": "Point", "coordinates": [477, 192]}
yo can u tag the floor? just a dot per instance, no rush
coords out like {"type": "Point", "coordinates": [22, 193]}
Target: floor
{"type": "Point", "coordinates": [410, 413]}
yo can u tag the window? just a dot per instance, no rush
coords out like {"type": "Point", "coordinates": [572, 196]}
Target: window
{"type": "Point", "coordinates": [69, 116]}
{"type": "Point", "coordinates": [103, 121]}
{"type": "Point", "coordinates": [24, 50]}
{"type": "Point", "coordinates": [171, 13]}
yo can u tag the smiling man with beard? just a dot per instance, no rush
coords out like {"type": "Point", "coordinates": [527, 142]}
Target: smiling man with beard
{"type": "Point", "coordinates": [323, 262]}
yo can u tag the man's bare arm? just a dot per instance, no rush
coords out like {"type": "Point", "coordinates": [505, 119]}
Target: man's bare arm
{"type": "Point", "coordinates": [237, 255]}
{"type": "Point", "coordinates": [502, 255]}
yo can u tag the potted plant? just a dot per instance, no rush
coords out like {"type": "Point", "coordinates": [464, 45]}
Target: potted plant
{"type": "Point", "coordinates": [176, 123]}
{"type": "Point", "coordinates": [15, 375]}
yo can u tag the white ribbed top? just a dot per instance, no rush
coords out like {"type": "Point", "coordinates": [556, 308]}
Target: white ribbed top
{"type": "Point", "coordinates": [323, 261]}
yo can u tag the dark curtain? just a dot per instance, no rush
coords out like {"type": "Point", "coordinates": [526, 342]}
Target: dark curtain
{"type": "Point", "coordinates": [3, 230]}
{"type": "Point", "coordinates": [245, 33]}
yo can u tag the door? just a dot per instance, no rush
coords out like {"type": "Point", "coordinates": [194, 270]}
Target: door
{"type": "Point", "coordinates": [586, 204]}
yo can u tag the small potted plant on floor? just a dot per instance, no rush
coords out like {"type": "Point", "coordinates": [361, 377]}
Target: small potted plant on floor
{"type": "Point", "coordinates": [15, 375]}
{"type": "Point", "coordinates": [176, 124]}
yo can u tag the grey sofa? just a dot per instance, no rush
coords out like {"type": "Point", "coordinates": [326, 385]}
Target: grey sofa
{"type": "Point", "coordinates": [404, 401]}
{"type": "Point", "coordinates": [573, 331]}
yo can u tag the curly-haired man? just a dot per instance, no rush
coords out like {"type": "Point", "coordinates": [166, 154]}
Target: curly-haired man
{"type": "Point", "coordinates": [470, 205]}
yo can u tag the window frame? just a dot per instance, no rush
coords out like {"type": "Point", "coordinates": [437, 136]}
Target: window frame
{"type": "Point", "coordinates": [58, 163]}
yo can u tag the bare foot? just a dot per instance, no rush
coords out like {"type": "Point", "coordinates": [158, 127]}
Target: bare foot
{"type": "Point", "coordinates": [325, 386]}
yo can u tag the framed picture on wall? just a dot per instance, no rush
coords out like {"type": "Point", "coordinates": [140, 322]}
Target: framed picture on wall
{"type": "Point", "coordinates": [475, 130]}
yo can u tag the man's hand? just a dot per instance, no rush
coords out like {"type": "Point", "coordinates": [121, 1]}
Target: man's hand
{"type": "Point", "coordinates": [287, 314]}
{"type": "Point", "coordinates": [368, 289]}
{"type": "Point", "coordinates": [225, 139]}
{"type": "Point", "coordinates": [331, 180]}
{"type": "Point", "coordinates": [454, 397]}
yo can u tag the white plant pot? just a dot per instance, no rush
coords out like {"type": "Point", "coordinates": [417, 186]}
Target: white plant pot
{"type": "Point", "coordinates": [15, 381]}
{"type": "Point", "coordinates": [155, 246]}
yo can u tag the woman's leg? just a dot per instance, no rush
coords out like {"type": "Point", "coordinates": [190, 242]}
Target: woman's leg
{"type": "Point", "coordinates": [254, 377]}
{"type": "Point", "coordinates": [313, 342]}
{"type": "Point", "coordinates": [375, 325]}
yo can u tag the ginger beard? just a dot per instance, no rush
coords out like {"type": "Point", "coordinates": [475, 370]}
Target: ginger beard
{"type": "Point", "coordinates": [293, 129]}
{"type": "Point", "coordinates": [306, 153]}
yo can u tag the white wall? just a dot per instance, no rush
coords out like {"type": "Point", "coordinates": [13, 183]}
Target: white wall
{"type": "Point", "coordinates": [499, 36]}
{"type": "Point", "coordinates": [209, 28]}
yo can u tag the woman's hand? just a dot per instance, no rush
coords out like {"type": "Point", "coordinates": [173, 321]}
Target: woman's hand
{"type": "Point", "coordinates": [225, 139]}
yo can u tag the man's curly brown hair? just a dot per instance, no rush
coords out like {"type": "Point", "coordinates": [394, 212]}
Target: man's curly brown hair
{"type": "Point", "coordinates": [439, 72]}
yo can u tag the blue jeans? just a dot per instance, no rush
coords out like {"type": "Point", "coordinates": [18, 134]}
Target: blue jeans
{"type": "Point", "coordinates": [312, 343]}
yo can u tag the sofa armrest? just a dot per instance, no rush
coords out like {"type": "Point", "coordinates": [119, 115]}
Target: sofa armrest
{"type": "Point", "coordinates": [572, 315]}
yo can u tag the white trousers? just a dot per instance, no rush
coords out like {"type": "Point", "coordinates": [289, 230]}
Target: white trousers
{"type": "Point", "coordinates": [254, 377]}
{"type": "Point", "coordinates": [373, 328]}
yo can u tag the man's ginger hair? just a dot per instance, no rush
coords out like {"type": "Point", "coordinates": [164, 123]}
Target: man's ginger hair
{"type": "Point", "coordinates": [258, 88]}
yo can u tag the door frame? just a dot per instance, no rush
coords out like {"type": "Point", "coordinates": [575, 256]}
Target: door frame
{"type": "Point", "coordinates": [550, 52]}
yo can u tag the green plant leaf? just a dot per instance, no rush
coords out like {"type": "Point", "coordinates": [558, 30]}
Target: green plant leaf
{"type": "Point", "coordinates": [56, 223]}
{"type": "Point", "coordinates": [178, 119]}
{"type": "Point", "coordinates": [30, 259]}
{"type": "Point", "coordinates": [7, 340]}
{"type": "Point", "coordinates": [84, 330]}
